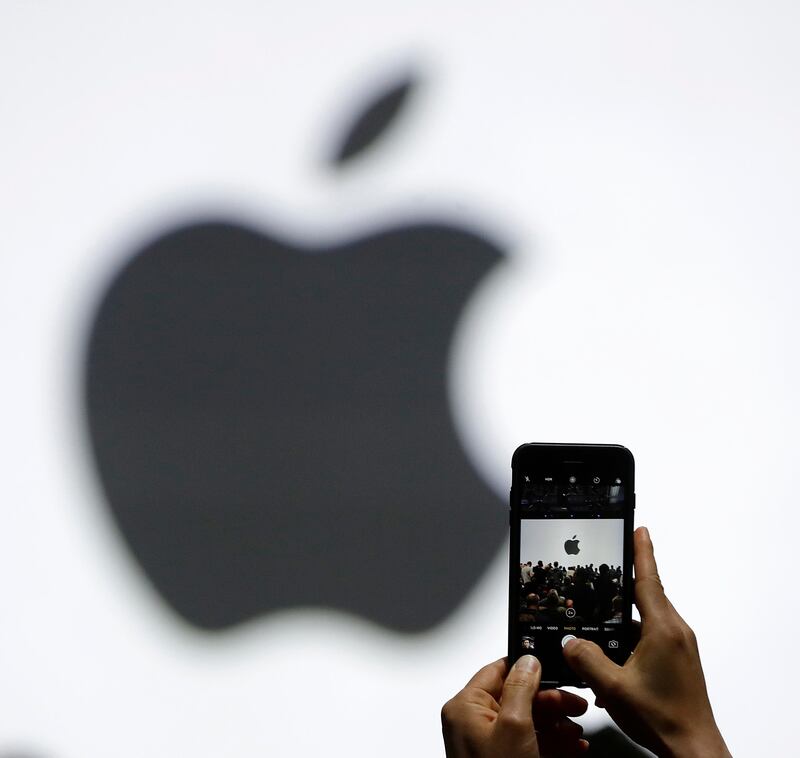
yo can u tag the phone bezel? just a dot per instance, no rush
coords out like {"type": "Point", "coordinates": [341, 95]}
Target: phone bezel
{"type": "Point", "coordinates": [560, 457]}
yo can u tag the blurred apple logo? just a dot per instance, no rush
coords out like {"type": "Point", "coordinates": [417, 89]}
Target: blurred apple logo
{"type": "Point", "coordinates": [270, 422]}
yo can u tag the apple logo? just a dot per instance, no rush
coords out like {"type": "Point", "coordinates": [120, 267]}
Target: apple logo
{"type": "Point", "coordinates": [270, 422]}
{"type": "Point", "coordinates": [571, 546]}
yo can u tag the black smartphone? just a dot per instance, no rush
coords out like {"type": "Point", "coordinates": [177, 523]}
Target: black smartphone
{"type": "Point", "coordinates": [571, 556]}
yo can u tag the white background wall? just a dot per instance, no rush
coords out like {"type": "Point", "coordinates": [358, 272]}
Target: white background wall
{"type": "Point", "coordinates": [599, 541]}
{"type": "Point", "coordinates": [641, 162]}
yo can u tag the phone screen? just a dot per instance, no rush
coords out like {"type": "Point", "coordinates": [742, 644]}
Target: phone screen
{"type": "Point", "coordinates": [574, 572]}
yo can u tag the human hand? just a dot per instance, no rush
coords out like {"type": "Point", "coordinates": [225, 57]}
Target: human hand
{"type": "Point", "coordinates": [493, 716]}
{"type": "Point", "coordinates": [658, 698]}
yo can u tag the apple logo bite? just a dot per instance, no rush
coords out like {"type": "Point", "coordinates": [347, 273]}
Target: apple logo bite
{"type": "Point", "coordinates": [270, 422]}
{"type": "Point", "coordinates": [571, 546]}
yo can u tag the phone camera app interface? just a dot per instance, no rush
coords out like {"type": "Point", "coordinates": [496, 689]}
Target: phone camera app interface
{"type": "Point", "coordinates": [571, 575]}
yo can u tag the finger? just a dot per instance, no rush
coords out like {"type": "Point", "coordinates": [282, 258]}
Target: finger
{"type": "Point", "coordinates": [561, 739]}
{"type": "Point", "coordinates": [589, 662]}
{"type": "Point", "coordinates": [650, 598]}
{"type": "Point", "coordinates": [567, 730]}
{"type": "Point", "coordinates": [519, 690]}
{"type": "Point", "coordinates": [553, 704]}
{"type": "Point", "coordinates": [636, 633]}
{"type": "Point", "coordinates": [490, 678]}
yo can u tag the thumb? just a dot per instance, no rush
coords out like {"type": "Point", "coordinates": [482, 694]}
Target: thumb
{"type": "Point", "coordinates": [589, 662]}
{"type": "Point", "coordinates": [515, 719]}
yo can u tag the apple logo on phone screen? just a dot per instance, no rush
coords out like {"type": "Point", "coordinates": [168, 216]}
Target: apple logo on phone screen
{"type": "Point", "coordinates": [571, 546]}
{"type": "Point", "coordinates": [271, 424]}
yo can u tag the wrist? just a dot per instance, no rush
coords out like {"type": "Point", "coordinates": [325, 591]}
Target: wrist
{"type": "Point", "coordinates": [707, 743]}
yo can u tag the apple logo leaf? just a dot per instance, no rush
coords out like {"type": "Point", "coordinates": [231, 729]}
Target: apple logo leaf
{"type": "Point", "coordinates": [373, 120]}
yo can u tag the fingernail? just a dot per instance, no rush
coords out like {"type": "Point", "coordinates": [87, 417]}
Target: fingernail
{"type": "Point", "coordinates": [646, 532]}
{"type": "Point", "coordinates": [528, 663]}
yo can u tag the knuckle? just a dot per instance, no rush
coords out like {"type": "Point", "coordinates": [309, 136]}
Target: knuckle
{"type": "Point", "coordinates": [613, 688]}
{"type": "Point", "coordinates": [449, 711]}
{"type": "Point", "coordinates": [651, 580]}
{"type": "Point", "coordinates": [581, 651]}
{"type": "Point", "coordinates": [679, 635]}
{"type": "Point", "coordinates": [517, 681]}
{"type": "Point", "coordinates": [514, 722]}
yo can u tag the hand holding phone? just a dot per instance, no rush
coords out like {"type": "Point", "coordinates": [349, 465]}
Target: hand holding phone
{"type": "Point", "coordinates": [658, 697]}
{"type": "Point", "coordinates": [501, 713]}
{"type": "Point", "coordinates": [571, 557]}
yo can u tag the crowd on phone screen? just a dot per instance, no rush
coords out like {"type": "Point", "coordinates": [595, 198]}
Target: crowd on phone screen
{"type": "Point", "coordinates": [548, 590]}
